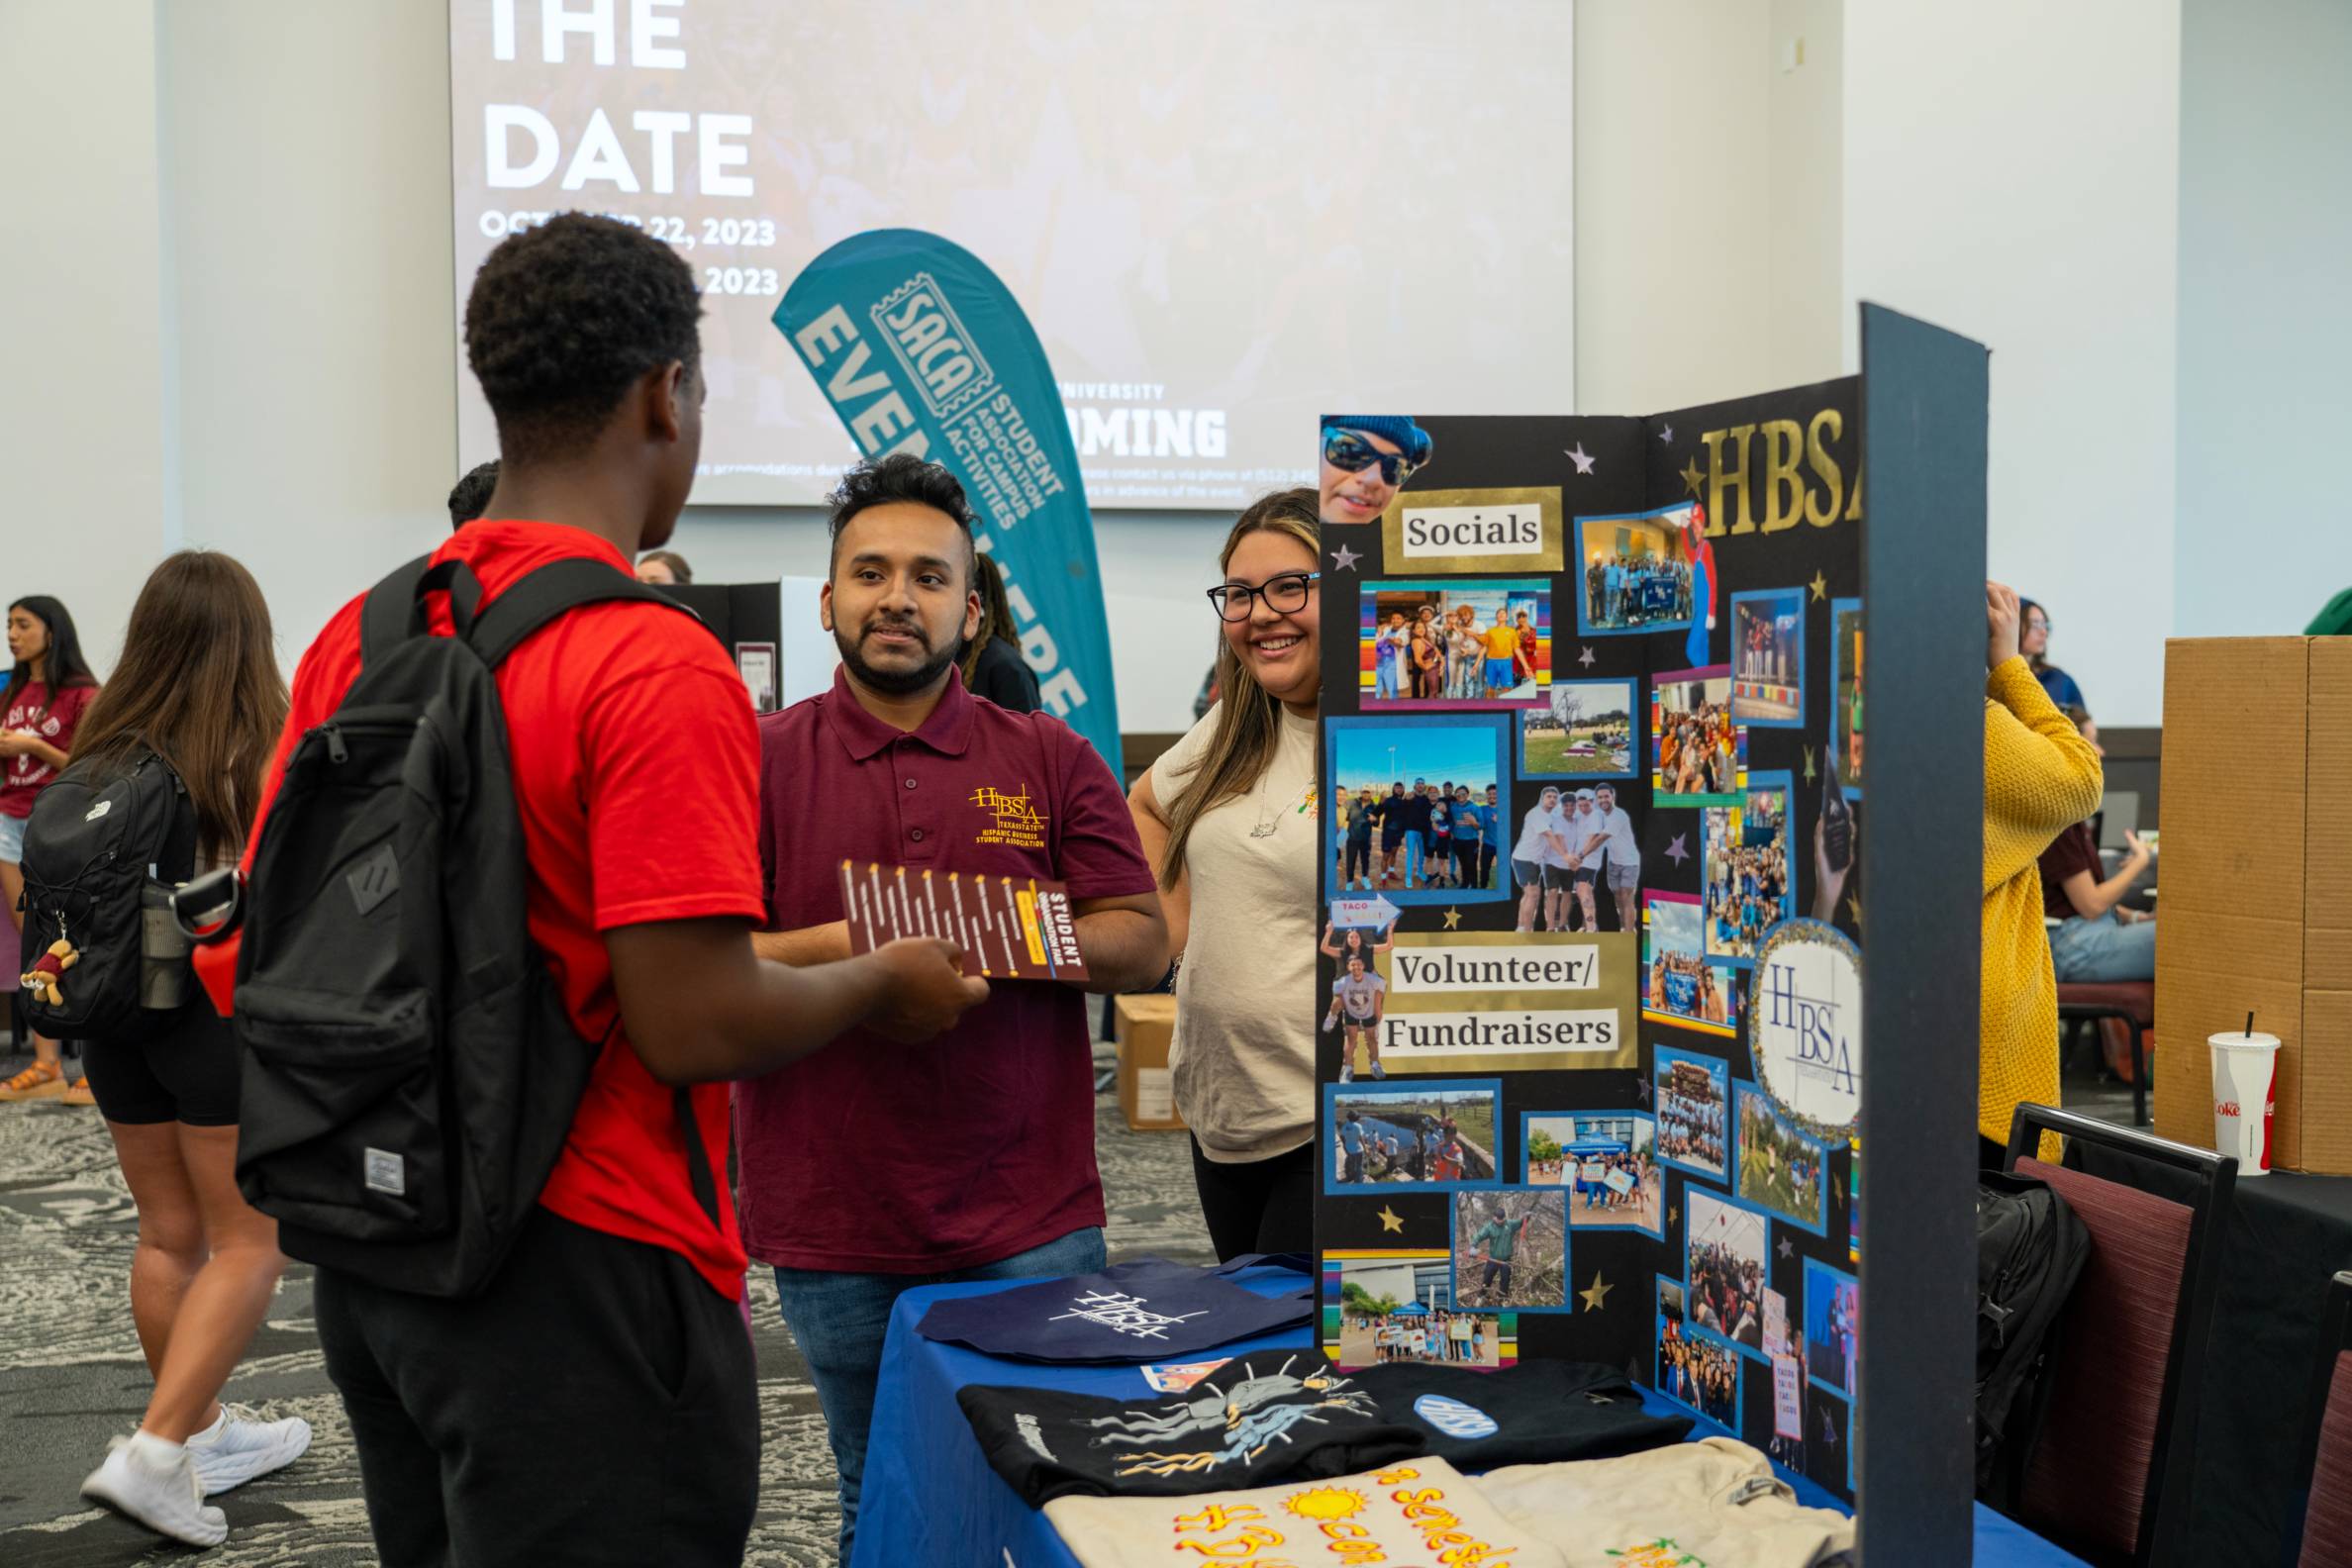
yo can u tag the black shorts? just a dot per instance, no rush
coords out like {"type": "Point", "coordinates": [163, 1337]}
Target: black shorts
{"type": "Point", "coordinates": [181, 1069]}
{"type": "Point", "coordinates": [1558, 879]}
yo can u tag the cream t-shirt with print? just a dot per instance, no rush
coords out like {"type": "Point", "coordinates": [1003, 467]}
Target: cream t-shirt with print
{"type": "Point", "coordinates": [1714, 1502]}
{"type": "Point", "coordinates": [1243, 1056]}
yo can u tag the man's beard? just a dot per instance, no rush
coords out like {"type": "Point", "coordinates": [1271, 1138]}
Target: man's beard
{"type": "Point", "coordinates": [889, 682]}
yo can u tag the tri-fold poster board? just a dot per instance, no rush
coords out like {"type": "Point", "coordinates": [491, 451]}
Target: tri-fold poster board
{"type": "Point", "coordinates": [1608, 711]}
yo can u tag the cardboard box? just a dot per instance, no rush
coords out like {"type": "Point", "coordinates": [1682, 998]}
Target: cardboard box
{"type": "Point", "coordinates": [1144, 1028]}
{"type": "Point", "coordinates": [2255, 878]}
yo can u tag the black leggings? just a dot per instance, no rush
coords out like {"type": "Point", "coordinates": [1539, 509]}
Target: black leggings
{"type": "Point", "coordinates": [1257, 1206]}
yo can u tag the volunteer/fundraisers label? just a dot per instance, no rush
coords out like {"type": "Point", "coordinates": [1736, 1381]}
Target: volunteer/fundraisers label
{"type": "Point", "coordinates": [1464, 1000]}
{"type": "Point", "coordinates": [1804, 1023]}
{"type": "Point", "coordinates": [1456, 967]}
{"type": "Point", "coordinates": [1009, 927]}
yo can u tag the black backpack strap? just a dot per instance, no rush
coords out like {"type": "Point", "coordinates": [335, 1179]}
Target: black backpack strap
{"type": "Point", "coordinates": [393, 610]}
{"type": "Point", "coordinates": [698, 1160]}
{"type": "Point", "coordinates": [548, 592]}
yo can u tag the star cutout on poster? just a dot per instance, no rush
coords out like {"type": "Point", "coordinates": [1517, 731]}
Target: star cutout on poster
{"type": "Point", "coordinates": [1838, 1187]}
{"type": "Point", "coordinates": [1389, 1220]}
{"type": "Point", "coordinates": [1598, 1296]}
{"type": "Point", "coordinates": [1854, 908]}
{"type": "Point", "coordinates": [1690, 476]}
{"type": "Point", "coordinates": [1586, 657]}
{"type": "Point", "coordinates": [1678, 850]}
{"type": "Point", "coordinates": [1828, 1431]}
{"type": "Point", "coordinates": [1820, 586]}
{"type": "Point", "coordinates": [1811, 771]}
{"type": "Point", "coordinates": [1788, 1250]}
{"type": "Point", "coordinates": [1667, 435]}
{"type": "Point", "coordinates": [1583, 460]}
{"type": "Point", "coordinates": [1641, 1090]}
{"type": "Point", "coordinates": [1674, 1215]}
{"type": "Point", "coordinates": [1453, 918]}
{"type": "Point", "coordinates": [1345, 559]}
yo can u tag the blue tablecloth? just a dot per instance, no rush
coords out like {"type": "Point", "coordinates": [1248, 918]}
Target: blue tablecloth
{"type": "Point", "coordinates": [932, 1502]}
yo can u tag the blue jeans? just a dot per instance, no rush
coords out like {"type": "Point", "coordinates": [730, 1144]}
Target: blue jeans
{"type": "Point", "coordinates": [840, 1321]}
{"type": "Point", "coordinates": [1412, 855]}
{"type": "Point", "coordinates": [2104, 950]}
{"type": "Point", "coordinates": [1384, 683]}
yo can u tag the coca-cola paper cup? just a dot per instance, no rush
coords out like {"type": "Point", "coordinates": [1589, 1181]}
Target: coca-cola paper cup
{"type": "Point", "coordinates": [2245, 1071]}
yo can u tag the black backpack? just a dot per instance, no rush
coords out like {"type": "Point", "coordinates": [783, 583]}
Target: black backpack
{"type": "Point", "coordinates": [104, 845]}
{"type": "Point", "coordinates": [2031, 1250]}
{"type": "Point", "coordinates": [409, 1072]}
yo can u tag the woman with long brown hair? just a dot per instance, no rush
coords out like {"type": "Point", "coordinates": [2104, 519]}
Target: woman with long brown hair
{"type": "Point", "coordinates": [1229, 817]}
{"type": "Point", "coordinates": [992, 664]}
{"type": "Point", "coordinates": [198, 686]}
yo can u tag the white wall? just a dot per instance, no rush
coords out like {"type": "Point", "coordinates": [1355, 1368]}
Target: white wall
{"type": "Point", "coordinates": [2012, 172]}
{"type": "Point", "coordinates": [84, 457]}
{"type": "Point", "coordinates": [2265, 314]}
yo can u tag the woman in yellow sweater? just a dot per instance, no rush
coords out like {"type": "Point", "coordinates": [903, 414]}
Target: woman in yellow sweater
{"type": "Point", "coordinates": [2042, 777]}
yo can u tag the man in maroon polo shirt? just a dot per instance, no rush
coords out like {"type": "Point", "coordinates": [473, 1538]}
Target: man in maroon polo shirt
{"type": "Point", "coordinates": [971, 1157]}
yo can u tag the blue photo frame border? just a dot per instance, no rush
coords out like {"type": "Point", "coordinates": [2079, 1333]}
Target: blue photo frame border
{"type": "Point", "coordinates": [1633, 741]}
{"type": "Point", "coordinates": [1575, 574]}
{"type": "Point", "coordinates": [1453, 1252]}
{"type": "Point", "coordinates": [1757, 778]}
{"type": "Point", "coordinates": [1657, 1337]}
{"type": "Point", "coordinates": [1852, 792]}
{"type": "Point", "coordinates": [1803, 605]}
{"type": "Point", "coordinates": [1334, 1188]}
{"type": "Point", "coordinates": [1525, 1117]}
{"type": "Point", "coordinates": [1497, 723]}
{"type": "Point", "coordinates": [1728, 1200]}
{"type": "Point", "coordinates": [1812, 1266]}
{"type": "Point", "coordinates": [1659, 1057]}
{"type": "Point", "coordinates": [1820, 1225]}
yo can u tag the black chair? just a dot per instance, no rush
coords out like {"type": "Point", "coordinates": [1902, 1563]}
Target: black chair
{"type": "Point", "coordinates": [2327, 1437]}
{"type": "Point", "coordinates": [2108, 1479]}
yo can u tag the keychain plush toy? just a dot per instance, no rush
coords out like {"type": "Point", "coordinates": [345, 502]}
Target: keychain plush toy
{"type": "Point", "coordinates": [42, 979]}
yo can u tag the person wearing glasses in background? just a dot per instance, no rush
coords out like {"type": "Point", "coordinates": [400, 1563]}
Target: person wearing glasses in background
{"type": "Point", "coordinates": [2034, 640]}
{"type": "Point", "coordinates": [1228, 818]}
{"type": "Point", "coordinates": [1366, 459]}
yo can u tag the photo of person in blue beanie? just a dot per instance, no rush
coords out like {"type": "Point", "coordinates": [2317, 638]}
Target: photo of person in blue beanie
{"type": "Point", "coordinates": [1365, 459]}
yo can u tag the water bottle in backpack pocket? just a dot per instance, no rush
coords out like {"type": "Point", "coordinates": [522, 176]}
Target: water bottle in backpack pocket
{"type": "Point", "coordinates": [102, 849]}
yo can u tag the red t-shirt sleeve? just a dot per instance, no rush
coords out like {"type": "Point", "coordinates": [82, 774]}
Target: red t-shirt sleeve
{"type": "Point", "coordinates": [670, 761]}
{"type": "Point", "coordinates": [1098, 854]}
{"type": "Point", "coordinates": [71, 702]}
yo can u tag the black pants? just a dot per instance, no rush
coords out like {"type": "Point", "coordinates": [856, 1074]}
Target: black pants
{"type": "Point", "coordinates": [595, 1404]}
{"type": "Point", "coordinates": [1260, 1206]}
{"type": "Point", "coordinates": [1359, 860]}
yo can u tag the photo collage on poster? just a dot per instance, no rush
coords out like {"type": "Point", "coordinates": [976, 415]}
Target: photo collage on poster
{"type": "Point", "coordinates": [1590, 973]}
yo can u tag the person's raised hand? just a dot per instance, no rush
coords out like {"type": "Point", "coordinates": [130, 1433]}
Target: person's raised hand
{"type": "Point", "coordinates": [2141, 849]}
{"type": "Point", "coordinates": [2000, 624]}
{"type": "Point", "coordinates": [925, 990]}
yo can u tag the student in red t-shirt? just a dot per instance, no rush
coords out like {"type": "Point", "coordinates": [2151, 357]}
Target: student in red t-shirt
{"type": "Point", "coordinates": [596, 1402]}
{"type": "Point", "coordinates": [862, 1172]}
{"type": "Point", "coordinates": [49, 689]}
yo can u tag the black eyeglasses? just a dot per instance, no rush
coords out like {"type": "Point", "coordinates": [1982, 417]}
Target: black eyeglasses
{"type": "Point", "coordinates": [1284, 595]}
{"type": "Point", "coordinates": [1344, 448]}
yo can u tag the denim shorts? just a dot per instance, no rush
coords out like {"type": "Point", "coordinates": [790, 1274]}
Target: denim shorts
{"type": "Point", "coordinates": [11, 838]}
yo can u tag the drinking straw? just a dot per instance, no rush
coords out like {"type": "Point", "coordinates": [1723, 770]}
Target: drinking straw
{"type": "Point", "coordinates": [2249, 1022]}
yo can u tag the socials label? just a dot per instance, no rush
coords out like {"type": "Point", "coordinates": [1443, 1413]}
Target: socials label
{"type": "Point", "coordinates": [1450, 530]}
{"type": "Point", "coordinates": [1805, 1020]}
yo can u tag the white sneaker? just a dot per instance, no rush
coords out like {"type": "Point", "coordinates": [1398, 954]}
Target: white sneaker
{"type": "Point", "coordinates": [155, 1484]}
{"type": "Point", "coordinates": [236, 1448]}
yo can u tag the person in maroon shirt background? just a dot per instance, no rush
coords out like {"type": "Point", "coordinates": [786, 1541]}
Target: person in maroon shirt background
{"type": "Point", "coordinates": [864, 1172]}
{"type": "Point", "coordinates": [48, 690]}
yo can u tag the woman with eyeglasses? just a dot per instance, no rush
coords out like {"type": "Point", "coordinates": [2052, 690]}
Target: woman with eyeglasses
{"type": "Point", "coordinates": [1229, 817]}
{"type": "Point", "coordinates": [1366, 459]}
{"type": "Point", "coordinates": [2034, 640]}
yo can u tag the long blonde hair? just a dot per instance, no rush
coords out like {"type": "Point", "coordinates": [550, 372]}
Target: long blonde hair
{"type": "Point", "coordinates": [1249, 717]}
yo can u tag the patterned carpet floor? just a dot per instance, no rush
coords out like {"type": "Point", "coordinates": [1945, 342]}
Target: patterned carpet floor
{"type": "Point", "coordinates": [71, 1375]}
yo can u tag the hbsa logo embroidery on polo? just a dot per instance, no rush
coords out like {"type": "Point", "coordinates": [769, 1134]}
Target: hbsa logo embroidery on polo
{"type": "Point", "coordinates": [1018, 823]}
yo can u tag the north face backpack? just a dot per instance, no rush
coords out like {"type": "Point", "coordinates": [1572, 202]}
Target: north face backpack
{"type": "Point", "coordinates": [409, 1072]}
{"type": "Point", "coordinates": [104, 845]}
{"type": "Point", "coordinates": [2031, 1250]}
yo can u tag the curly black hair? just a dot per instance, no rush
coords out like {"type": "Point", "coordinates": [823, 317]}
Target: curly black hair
{"type": "Point", "coordinates": [469, 497]}
{"type": "Point", "coordinates": [564, 318]}
{"type": "Point", "coordinates": [903, 476]}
